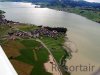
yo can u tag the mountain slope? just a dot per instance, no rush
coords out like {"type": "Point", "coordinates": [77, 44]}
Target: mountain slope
{"type": "Point", "coordinates": [72, 3]}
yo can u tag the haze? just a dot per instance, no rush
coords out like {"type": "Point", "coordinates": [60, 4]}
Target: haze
{"type": "Point", "coordinates": [93, 1]}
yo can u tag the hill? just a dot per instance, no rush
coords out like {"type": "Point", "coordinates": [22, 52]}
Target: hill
{"type": "Point", "coordinates": [64, 3]}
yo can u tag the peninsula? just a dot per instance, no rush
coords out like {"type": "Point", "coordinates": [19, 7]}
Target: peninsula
{"type": "Point", "coordinates": [30, 47]}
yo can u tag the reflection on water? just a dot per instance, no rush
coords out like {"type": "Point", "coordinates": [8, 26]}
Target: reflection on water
{"type": "Point", "coordinates": [83, 32]}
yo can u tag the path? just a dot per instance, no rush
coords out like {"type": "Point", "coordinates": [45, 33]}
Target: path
{"type": "Point", "coordinates": [58, 69]}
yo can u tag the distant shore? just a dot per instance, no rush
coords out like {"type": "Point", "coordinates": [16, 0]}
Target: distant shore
{"type": "Point", "coordinates": [92, 15]}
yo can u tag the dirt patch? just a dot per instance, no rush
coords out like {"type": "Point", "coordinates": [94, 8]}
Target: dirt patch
{"type": "Point", "coordinates": [12, 48]}
{"type": "Point", "coordinates": [21, 67]}
{"type": "Point", "coordinates": [51, 67]}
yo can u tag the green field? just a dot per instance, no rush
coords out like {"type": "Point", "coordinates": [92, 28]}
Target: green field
{"type": "Point", "coordinates": [92, 15]}
{"type": "Point", "coordinates": [4, 29]}
{"type": "Point", "coordinates": [27, 55]}
{"type": "Point", "coordinates": [56, 46]}
{"type": "Point", "coordinates": [25, 27]}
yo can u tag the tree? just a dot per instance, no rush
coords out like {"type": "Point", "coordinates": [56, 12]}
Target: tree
{"type": "Point", "coordinates": [1, 14]}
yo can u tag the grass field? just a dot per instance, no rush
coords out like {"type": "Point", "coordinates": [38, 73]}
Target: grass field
{"type": "Point", "coordinates": [25, 54]}
{"type": "Point", "coordinates": [4, 29]}
{"type": "Point", "coordinates": [56, 46]}
{"type": "Point", "coordinates": [92, 15]}
{"type": "Point", "coordinates": [25, 27]}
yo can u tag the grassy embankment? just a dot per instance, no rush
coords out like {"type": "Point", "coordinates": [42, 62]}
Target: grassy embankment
{"type": "Point", "coordinates": [55, 46]}
{"type": "Point", "coordinates": [90, 14]}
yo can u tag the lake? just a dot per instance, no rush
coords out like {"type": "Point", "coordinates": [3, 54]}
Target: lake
{"type": "Point", "coordinates": [83, 32]}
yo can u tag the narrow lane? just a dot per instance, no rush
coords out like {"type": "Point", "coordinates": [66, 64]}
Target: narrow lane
{"type": "Point", "coordinates": [51, 55]}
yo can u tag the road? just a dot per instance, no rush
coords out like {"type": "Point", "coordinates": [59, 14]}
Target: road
{"type": "Point", "coordinates": [51, 55]}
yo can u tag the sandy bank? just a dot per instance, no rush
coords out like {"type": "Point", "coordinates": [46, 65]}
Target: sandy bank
{"type": "Point", "coordinates": [49, 66]}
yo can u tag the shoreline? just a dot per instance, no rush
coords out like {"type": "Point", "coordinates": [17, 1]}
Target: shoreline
{"type": "Point", "coordinates": [70, 46]}
{"type": "Point", "coordinates": [61, 9]}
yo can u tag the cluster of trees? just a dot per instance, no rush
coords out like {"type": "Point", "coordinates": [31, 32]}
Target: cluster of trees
{"type": "Point", "coordinates": [1, 14]}
{"type": "Point", "coordinates": [58, 29]}
{"type": "Point", "coordinates": [34, 1]}
{"type": "Point", "coordinates": [80, 3]}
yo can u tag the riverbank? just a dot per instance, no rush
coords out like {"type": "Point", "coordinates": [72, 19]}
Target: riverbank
{"type": "Point", "coordinates": [70, 46]}
{"type": "Point", "coordinates": [89, 13]}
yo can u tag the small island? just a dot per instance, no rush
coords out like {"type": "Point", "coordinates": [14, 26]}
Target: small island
{"type": "Point", "coordinates": [32, 48]}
